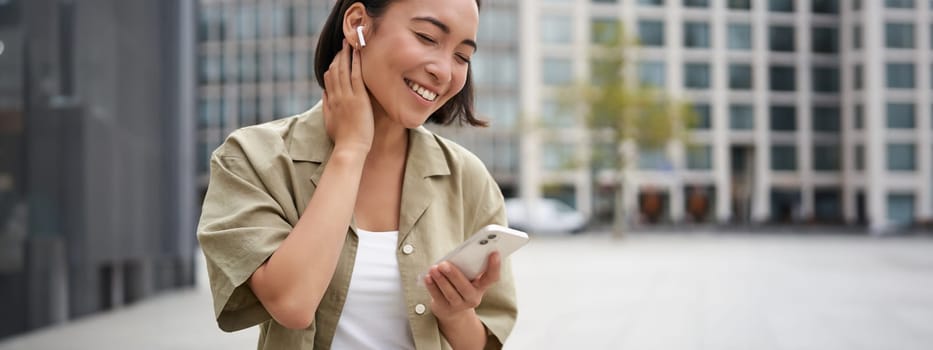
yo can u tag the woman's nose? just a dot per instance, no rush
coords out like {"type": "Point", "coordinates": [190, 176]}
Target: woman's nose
{"type": "Point", "coordinates": [440, 71]}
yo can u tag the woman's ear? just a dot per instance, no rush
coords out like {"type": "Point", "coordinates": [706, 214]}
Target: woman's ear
{"type": "Point", "coordinates": [354, 17]}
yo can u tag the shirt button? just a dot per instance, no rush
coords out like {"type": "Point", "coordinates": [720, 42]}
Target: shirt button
{"type": "Point", "coordinates": [419, 309]}
{"type": "Point", "coordinates": [408, 249]}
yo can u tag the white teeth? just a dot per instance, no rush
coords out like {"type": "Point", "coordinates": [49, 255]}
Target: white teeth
{"type": "Point", "coordinates": [425, 93]}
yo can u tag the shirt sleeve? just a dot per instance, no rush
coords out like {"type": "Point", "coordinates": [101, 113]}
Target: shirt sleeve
{"type": "Point", "coordinates": [498, 309]}
{"type": "Point", "coordinates": [241, 225]}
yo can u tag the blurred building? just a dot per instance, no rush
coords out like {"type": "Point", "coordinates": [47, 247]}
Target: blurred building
{"type": "Point", "coordinates": [809, 111]}
{"type": "Point", "coordinates": [97, 192]}
{"type": "Point", "coordinates": [256, 62]}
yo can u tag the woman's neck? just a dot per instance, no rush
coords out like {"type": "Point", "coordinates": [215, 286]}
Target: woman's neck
{"type": "Point", "coordinates": [389, 138]}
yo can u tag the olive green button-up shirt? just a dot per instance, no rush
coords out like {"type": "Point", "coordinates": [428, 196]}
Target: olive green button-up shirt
{"type": "Point", "coordinates": [263, 176]}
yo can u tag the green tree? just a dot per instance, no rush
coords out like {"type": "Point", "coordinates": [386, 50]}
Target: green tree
{"type": "Point", "coordinates": [621, 110]}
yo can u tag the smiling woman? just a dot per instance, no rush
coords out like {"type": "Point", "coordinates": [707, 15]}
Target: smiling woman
{"type": "Point", "coordinates": [446, 38]}
{"type": "Point", "coordinates": [316, 227]}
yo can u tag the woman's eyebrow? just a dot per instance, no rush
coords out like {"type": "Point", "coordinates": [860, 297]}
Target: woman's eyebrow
{"type": "Point", "coordinates": [443, 27]}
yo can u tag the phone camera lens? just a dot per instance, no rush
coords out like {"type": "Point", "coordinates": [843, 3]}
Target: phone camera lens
{"type": "Point", "coordinates": [483, 242]}
{"type": "Point", "coordinates": [492, 236]}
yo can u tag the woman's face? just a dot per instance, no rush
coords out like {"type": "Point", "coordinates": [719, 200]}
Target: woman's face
{"type": "Point", "coordinates": [417, 57]}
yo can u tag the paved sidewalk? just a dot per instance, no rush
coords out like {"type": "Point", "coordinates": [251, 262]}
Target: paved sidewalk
{"type": "Point", "coordinates": [648, 291]}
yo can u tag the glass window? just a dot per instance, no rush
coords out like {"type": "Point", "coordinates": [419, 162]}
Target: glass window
{"type": "Point", "coordinates": [826, 158]}
{"type": "Point", "coordinates": [557, 156]}
{"type": "Point", "coordinates": [696, 3]}
{"type": "Point", "coordinates": [556, 29]}
{"type": "Point", "coordinates": [825, 40]}
{"type": "Point", "coordinates": [502, 111]}
{"type": "Point", "coordinates": [696, 35]}
{"type": "Point", "coordinates": [783, 157]}
{"type": "Point", "coordinates": [740, 76]}
{"type": "Point", "coordinates": [857, 37]}
{"type": "Point", "coordinates": [284, 62]}
{"type": "Point", "coordinates": [781, 38]}
{"type": "Point", "coordinates": [857, 77]}
{"type": "Point", "coordinates": [498, 26]}
{"type": "Point", "coordinates": [825, 6]}
{"type": "Point", "coordinates": [651, 33]}
{"type": "Point", "coordinates": [740, 4]}
{"type": "Point", "coordinates": [900, 75]}
{"type": "Point", "coordinates": [700, 157]}
{"type": "Point", "coordinates": [317, 15]}
{"type": "Point", "coordinates": [494, 68]}
{"type": "Point", "coordinates": [859, 117]}
{"type": "Point", "coordinates": [697, 76]}
{"type": "Point", "coordinates": [249, 66]}
{"type": "Point", "coordinates": [604, 31]}
{"type": "Point", "coordinates": [859, 157]}
{"type": "Point", "coordinates": [825, 79]}
{"type": "Point", "coordinates": [903, 4]}
{"type": "Point", "coordinates": [651, 2]}
{"type": "Point", "coordinates": [651, 73]}
{"type": "Point", "coordinates": [783, 118]}
{"type": "Point", "coordinates": [603, 72]}
{"type": "Point", "coordinates": [280, 18]}
{"type": "Point", "coordinates": [703, 116]}
{"type": "Point", "coordinates": [247, 110]}
{"type": "Point", "coordinates": [827, 204]}
{"type": "Point", "coordinates": [899, 35]}
{"type": "Point", "coordinates": [826, 119]}
{"type": "Point", "coordinates": [653, 159]}
{"type": "Point", "coordinates": [901, 116]}
{"type": "Point", "coordinates": [211, 18]}
{"type": "Point", "coordinates": [740, 36]}
{"type": "Point", "coordinates": [902, 157]}
{"type": "Point", "coordinates": [741, 117]}
{"type": "Point", "coordinates": [210, 68]}
{"type": "Point", "coordinates": [557, 71]}
{"type": "Point", "coordinates": [783, 78]}
{"type": "Point", "coordinates": [231, 68]}
{"type": "Point", "coordinates": [781, 5]}
{"type": "Point", "coordinates": [901, 209]}
{"type": "Point", "coordinates": [553, 115]}
{"type": "Point", "coordinates": [247, 22]}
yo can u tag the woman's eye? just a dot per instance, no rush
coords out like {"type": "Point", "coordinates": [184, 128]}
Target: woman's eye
{"type": "Point", "coordinates": [426, 38]}
{"type": "Point", "coordinates": [463, 59]}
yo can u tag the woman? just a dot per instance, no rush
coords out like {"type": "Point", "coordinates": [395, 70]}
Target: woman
{"type": "Point", "coordinates": [317, 227]}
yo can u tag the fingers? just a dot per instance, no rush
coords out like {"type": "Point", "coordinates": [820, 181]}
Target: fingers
{"type": "Point", "coordinates": [433, 289]}
{"type": "Point", "coordinates": [356, 75]}
{"type": "Point", "coordinates": [335, 79]}
{"type": "Point", "coordinates": [467, 290]}
{"type": "Point", "coordinates": [447, 289]}
{"type": "Point", "coordinates": [492, 272]}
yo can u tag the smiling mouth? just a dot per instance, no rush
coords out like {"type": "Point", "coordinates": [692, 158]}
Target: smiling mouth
{"type": "Point", "coordinates": [426, 94]}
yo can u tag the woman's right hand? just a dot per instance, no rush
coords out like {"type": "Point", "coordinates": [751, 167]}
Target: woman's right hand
{"type": "Point", "coordinates": [348, 113]}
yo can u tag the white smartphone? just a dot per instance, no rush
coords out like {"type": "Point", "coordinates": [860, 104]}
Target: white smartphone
{"type": "Point", "coordinates": [472, 255]}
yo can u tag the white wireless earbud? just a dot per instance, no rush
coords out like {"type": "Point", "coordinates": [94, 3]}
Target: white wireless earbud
{"type": "Point", "coordinates": [359, 33]}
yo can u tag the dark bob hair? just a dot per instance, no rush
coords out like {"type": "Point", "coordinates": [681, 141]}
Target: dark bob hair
{"type": "Point", "coordinates": [459, 108]}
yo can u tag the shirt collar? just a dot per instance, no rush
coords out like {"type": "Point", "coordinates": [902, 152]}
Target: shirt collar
{"type": "Point", "coordinates": [309, 142]}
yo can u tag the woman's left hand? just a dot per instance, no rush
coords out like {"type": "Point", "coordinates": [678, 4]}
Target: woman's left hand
{"type": "Point", "coordinates": [452, 294]}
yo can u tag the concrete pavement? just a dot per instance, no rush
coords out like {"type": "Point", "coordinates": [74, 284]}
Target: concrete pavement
{"type": "Point", "coordinates": [648, 291]}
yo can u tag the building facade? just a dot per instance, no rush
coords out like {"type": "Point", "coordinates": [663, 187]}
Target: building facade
{"type": "Point", "coordinates": [97, 195]}
{"type": "Point", "coordinates": [809, 110]}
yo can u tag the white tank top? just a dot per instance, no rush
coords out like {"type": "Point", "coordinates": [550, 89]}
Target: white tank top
{"type": "Point", "coordinates": [374, 315]}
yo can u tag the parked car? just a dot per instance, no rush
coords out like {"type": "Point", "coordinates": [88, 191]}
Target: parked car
{"type": "Point", "coordinates": [547, 216]}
